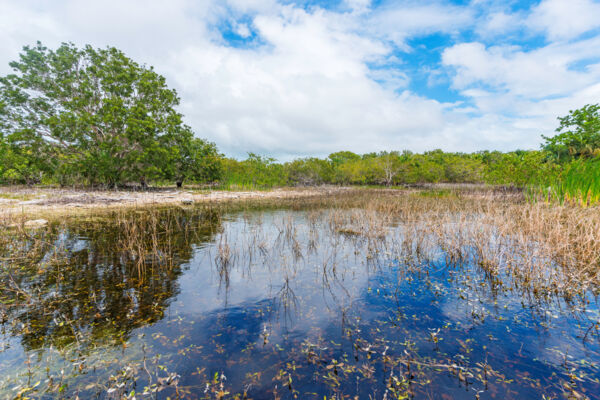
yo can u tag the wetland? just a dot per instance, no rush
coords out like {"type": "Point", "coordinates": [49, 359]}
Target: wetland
{"type": "Point", "coordinates": [365, 294]}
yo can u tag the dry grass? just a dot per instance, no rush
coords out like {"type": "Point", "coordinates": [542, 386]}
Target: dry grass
{"type": "Point", "coordinates": [550, 248]}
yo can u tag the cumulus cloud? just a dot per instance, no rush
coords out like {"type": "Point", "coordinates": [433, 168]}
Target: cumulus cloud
{"type": "Point", "coordinates": [498, 23]}
{"type": "Point", "coordinates": [12, 34]}
{"type": "Point", "coordinates": [358, 6]}
{"type": "Point", "coordinates": [565, 19]}
{"type": "Point", "coordinates": [534, 74]}
{"type": "Point", "coordinates": [518, 90]}
{"type": "Point", "coordinates": [299, 98]}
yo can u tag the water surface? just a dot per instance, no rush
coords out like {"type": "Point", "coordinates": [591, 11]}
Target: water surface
{"type": "Point", "coordinates": [278, 304]}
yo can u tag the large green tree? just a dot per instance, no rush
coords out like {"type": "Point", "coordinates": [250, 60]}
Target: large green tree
{"type": "Point", "coordinates": [578, 134]}
{"type": "Point", "coordinates": [93, 116]}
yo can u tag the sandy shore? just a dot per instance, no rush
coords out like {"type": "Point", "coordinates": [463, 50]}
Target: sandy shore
{"type": "Point", "coordinates": [39, 201]}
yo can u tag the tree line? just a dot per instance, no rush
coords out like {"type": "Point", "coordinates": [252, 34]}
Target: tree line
{"type": "Point", "coordinates": [94, 117]}
{"type": "Point", "coordinates": [393, 168]}
{"type": "Point", "coordinates": [572, 155]}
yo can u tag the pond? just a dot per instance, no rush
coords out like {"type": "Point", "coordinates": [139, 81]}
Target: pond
{"type": "Point", "coordinates": [278, 304]}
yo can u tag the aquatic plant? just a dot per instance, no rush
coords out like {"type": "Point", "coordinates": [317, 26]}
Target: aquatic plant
{"type": "Point", "coordinates": [579, 184]}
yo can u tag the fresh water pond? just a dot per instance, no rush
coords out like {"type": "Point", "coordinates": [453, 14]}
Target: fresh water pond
{"type": "Point", "coordinates": [278, 304]}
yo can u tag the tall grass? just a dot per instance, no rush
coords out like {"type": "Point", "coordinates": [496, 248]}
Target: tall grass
{"type": "Point", "coordinates": [578, 183]}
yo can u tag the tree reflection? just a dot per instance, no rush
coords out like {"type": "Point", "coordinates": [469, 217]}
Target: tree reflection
{"type": "Point", "coordinates": [96, 281]}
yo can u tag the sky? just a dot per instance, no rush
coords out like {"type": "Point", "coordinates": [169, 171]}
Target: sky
{"type": "Point", "coordinates": [296, 78]}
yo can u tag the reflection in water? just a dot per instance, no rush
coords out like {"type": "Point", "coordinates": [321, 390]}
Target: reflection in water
{"type": "Point", "coordinates": [83, 282]}
{"type": "Point", "coordinates": [276, 304]}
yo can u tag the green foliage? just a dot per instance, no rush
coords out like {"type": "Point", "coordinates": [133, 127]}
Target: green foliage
{"type": "Point", "coordinates": [519, 168]}
{"type": "Point", "coordinates": [194, 159]}
{"type": "Point", "coordinates": [393, 168]}
{"type": "Point", "coordinates": [579, 134]}
{"type": "Point", "coordinates": [254, 172]}
{"type": "Point", "coordinates": [17, 165]}
{"type": "Point", "coordinates": [309, 171]}
{"type": "Point", "coordinates": [94, 116]}
{"type": "Point", "coordinates": [342, 157]}
{"type": "Point", "coordinates": [578, 183]}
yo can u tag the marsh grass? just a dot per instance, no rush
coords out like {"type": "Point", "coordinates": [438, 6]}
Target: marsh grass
{"type": "Point", "coordinates": [578, 184]}
{"type": "Point", "coordinates": [557, 245]}
{"type": "Point", "coordinates": [17, 196]}
{"type": "Point", "coordinates": [551, 246]}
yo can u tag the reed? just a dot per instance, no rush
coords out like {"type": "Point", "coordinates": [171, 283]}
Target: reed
{"type": "Point", "coordinates": [578, 184]}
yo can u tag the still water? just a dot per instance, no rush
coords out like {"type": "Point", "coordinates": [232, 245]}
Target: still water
{"type": "Point", "coordinates": [276, 304]}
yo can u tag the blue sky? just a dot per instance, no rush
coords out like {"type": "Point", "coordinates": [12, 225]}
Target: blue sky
{"type": "Point", "coordinates": [308, 77]}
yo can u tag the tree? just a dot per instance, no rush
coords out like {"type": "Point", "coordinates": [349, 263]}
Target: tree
{"type": "Point", "coordinates": [342, 157]}
{"type": "Point", "coordinates": [374, 168]}
{"type": "Point", "coordinates": [255, 171]}
{"type": "Point", "coordinates": [518, 168]}
{"type": "Point", "coordinates": [579, 134]}
{"type": "Point", "coordinates": [196, 159]}
{"type": "Point", "coordinates": [18, 165]}
{"type": "Point", "coordinates": [309, 171]}
{"type": "Point", "coordinates": [91, 115]}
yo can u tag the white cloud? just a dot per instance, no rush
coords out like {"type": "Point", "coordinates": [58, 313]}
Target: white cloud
{"type": "Point", "coordinates": [358, 6]}
{"type": "Point", "coordinates": [498, 23]}
{"type": "Point", "coordinates": [534, 74]}
{"type": "Point", "coordinates": [303, 98]}
{"type": "Point", "coordinates": [243, 30]}
{"type": "Point", "coordinates": [392, 79]}
{"type": "Point", "coordinates": [400, 22]}
{"type": "Point", "coordinates": [565, 19]}
{"type": "Point", "coordinates": [12, 34]}
{"type": "Point", "coordinates": [252, 6]}
{"type": "Point", "coordinates": [519, 93]}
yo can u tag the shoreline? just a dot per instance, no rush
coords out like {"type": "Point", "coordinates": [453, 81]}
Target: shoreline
{"type": "Point", "coordinates": [23, 202]}
{"type": "Point", "coordinates": [38, 202]}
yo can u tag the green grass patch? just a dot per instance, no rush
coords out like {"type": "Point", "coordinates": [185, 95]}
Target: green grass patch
{"type": "Point", "coordinates": [16, 196]}
{"type": "Point", "coordinates": [578, 183]}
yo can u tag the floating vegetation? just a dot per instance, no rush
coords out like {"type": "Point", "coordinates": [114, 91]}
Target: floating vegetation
{"type": "Point", "coordinates": [366, 295]}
